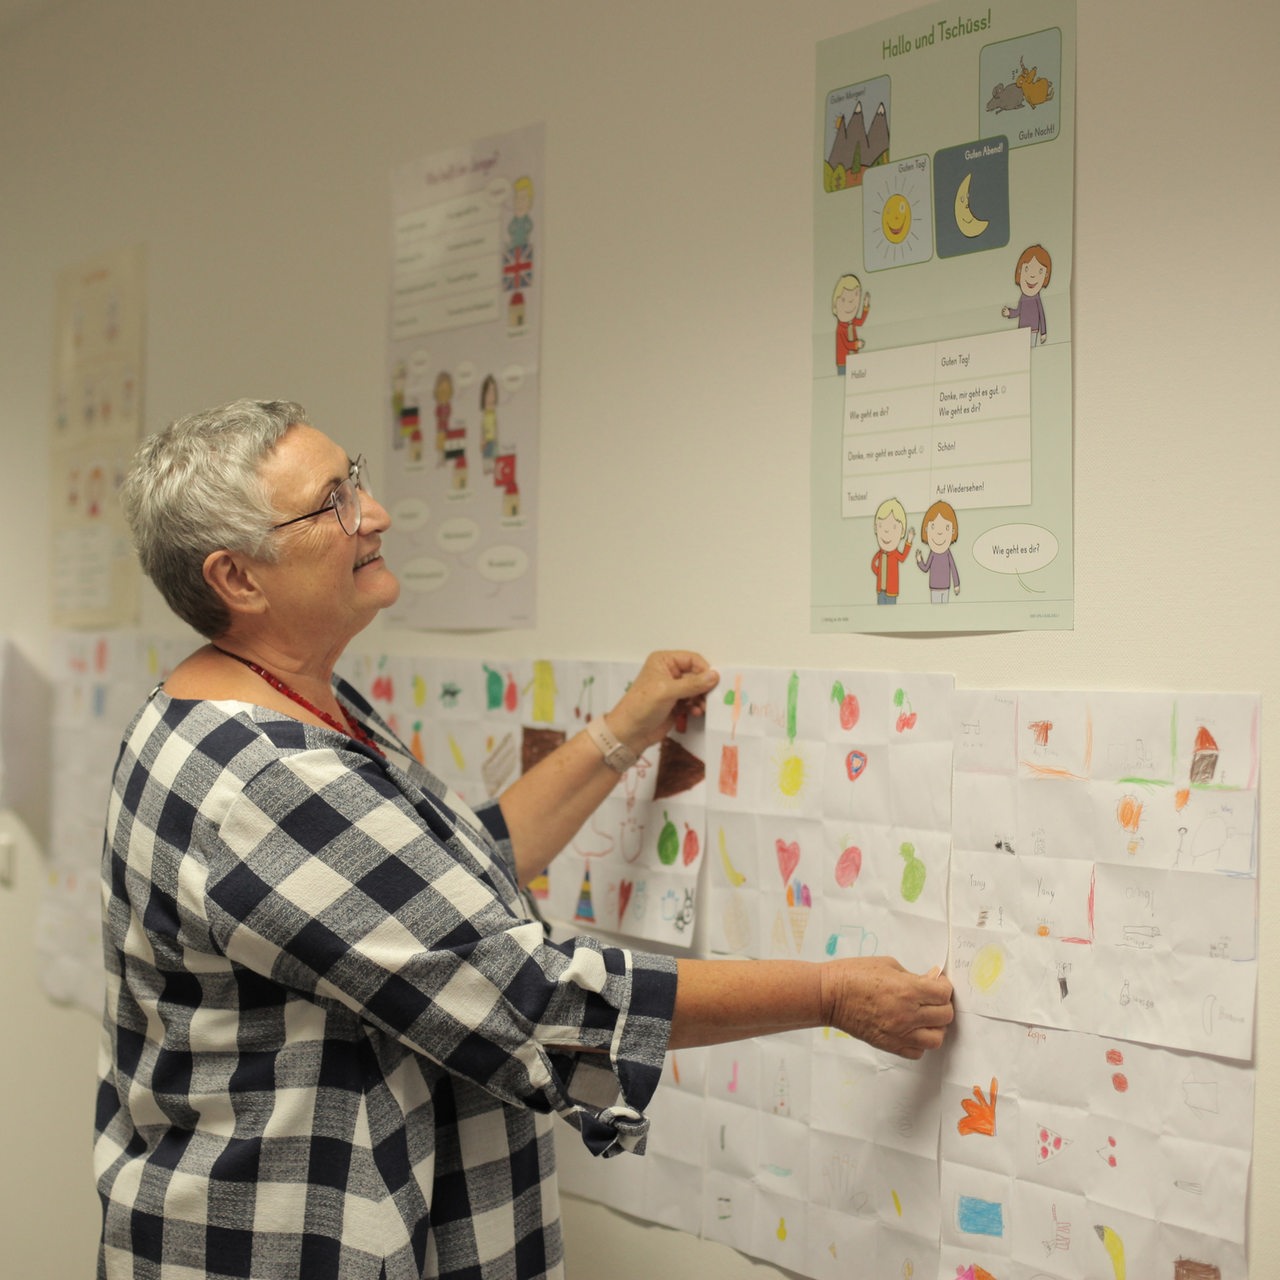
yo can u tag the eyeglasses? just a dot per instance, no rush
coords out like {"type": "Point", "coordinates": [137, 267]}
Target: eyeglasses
{"type": "Point", "coordinates": [344, 501]}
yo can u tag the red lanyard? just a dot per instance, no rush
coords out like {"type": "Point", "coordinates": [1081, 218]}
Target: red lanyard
{"type": "Point", "coordinates": [353, 729]}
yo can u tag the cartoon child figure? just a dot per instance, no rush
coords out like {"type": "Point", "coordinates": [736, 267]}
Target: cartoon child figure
{"type": "Point", "coordinates": [940, 529]}
{"type": "Point", "coordinates": [504, 478]}
{"type": "Point", "coordinates": [849, 305]}
{"type": "Point", "coordinates": [891, 527]}
{"type": "Point", "coordinates": [1031, 275]}
{"type": "Point", "coordinates": [488, 422]}
{"type": "Point", "coordinates": [444, 408]}
{"type": "Point", "coordinates": [520, 227]}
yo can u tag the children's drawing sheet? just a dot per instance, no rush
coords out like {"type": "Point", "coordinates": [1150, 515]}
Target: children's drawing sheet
{"type": "Point", "coordinates": [1105, 864]}
{"type": "Point", "coordinates": [1084, 864]}
{"type": "Point", "coordinates": [1114, 1142]}
{"type": "Point", "coordinates": [1069, 1156]}
{"type": "Point", "coordinates": [828, 812]}
{"type": "Point", "coordinates": [941, 496]}
{"type": "Point", "coordinates": [462, 384]}
{"type": "Point", "coordinates": [478, 725]}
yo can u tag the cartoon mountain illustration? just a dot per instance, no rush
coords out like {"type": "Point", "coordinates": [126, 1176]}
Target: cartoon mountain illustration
{"type": "Point", "coordinates": [855, 148]}
{"type": "Point", "coordinates": [849, 149]}
{"type": "Point", "coordinates": [877, 149]}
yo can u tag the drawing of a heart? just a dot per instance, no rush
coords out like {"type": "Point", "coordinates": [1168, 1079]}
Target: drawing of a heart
{"type": "Point", "coordinates": [788, 858]}
{"type": "Point", "coordinates": [624, 896]}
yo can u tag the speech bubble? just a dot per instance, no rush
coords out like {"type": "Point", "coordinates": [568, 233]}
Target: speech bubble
{"type": "Point", "coordinates": [1015, 548]}
{"type": "Point", "coordinates": [512, 377]}
{"type": "Point", "coordinates": [502, 563]}
{"type": "Point", "coordinates": [419, 364]}
{"type": "Point", "coordinates": [464, 375]}
{"type": "Point", "coordinates": [498, 190]}
{"type": "Point", "coordinates": [409, 514]}
{"type": "Point", "coordinates": [424, 573]}
{"type": "Point", "coordinates": [458, 534]}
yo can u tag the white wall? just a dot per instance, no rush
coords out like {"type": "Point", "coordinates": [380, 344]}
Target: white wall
{"type": "Point", "coordinates": [248, 144]}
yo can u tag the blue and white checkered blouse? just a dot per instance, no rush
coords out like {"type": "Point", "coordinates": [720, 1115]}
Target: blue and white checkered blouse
{"type": "Point", "coordinates": [334, 1033]}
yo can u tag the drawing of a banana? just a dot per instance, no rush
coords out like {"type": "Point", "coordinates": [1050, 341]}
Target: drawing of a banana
{"type": "Point", "coordinates": [735, 877]}
{"type": "Point", "coordinates": [1114, 1246]}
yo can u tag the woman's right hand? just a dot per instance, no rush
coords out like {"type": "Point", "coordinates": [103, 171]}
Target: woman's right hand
{"type": "Point", "coordinates": [875, 999]}
{"type": "Point", "coordinates": [672, 685]}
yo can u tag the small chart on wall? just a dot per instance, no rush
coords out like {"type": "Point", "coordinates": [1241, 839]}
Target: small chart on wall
{"type": "Point", "coordinates": [941, 491]}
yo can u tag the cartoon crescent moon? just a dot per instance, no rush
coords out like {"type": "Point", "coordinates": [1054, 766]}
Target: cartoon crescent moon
{"type": "Point", "coordinates": [968, 224]}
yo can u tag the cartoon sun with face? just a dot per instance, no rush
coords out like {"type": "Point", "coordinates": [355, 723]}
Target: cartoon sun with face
{"type": "Point", "coordinates": [897, 220]}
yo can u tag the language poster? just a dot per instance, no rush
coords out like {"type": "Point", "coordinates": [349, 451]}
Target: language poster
{"type": "Point", "coordinates": [462, 384]}
{"type": "Point", "coordinates": [96, 423]}
{"type": "Point", "coordinates": [941, 492]}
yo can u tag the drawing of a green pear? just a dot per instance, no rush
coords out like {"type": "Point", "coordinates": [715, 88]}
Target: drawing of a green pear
{"type": "Point", "coordinates": [913, 873]}
{"type": "Point", "coordinates": [668, 842]}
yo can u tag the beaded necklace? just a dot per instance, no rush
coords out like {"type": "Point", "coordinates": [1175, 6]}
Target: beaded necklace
{"type": "Point", "coordinates": [353, 729]}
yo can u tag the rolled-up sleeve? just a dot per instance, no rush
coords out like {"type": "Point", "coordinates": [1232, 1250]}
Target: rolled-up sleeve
{"type": "Point", "coordinates": [326, 876]}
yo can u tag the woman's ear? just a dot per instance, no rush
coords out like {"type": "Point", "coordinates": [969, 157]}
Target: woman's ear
{"type": "Point", "coordinates": [234, 582]}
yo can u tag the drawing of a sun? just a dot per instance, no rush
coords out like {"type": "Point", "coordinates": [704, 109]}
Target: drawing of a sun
{"type": "Point", "coordinates": [793, 775]}
{"type": "Point", "coordinates": [897, 217]}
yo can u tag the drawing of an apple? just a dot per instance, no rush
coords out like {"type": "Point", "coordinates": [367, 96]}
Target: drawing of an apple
{"type": "Point", "coordinates": [850, 711]}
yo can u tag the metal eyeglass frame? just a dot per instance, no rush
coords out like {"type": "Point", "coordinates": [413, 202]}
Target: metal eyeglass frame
{"type": "Point", "coordinates": [335, 504]}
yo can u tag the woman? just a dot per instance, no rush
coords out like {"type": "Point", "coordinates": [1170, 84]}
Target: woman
{"type": "Point", "coordinates": [334, 1032]}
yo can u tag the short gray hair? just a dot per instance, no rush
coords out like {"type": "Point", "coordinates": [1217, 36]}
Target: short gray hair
{"type": "Point", "coordinates": [195, 488]}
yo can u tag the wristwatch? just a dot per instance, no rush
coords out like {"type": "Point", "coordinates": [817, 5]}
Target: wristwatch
{"type": "Point", "coordinates": [617, 755]}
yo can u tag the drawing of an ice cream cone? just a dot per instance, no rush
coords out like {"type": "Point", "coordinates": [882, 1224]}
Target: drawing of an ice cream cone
{"type": "Point", "coordinates": [799, 909]}
{"type": "Point", "coordinates": [799, 919]}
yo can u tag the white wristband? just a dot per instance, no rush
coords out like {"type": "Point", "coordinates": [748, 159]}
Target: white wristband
{"type": "Point", "coordinates": [617, 755]}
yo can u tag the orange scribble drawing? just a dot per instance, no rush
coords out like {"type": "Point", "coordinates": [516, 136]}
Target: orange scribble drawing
{"type": "Point", "coordinates": [1129, 812]}
{"type": "Point", "coordinates": [979, 1112]}
{"type": "Point", "coordinates": [1040, 730]}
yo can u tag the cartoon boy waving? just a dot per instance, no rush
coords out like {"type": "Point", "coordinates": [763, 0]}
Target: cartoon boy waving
{"type": "Point", "coordinates": [891, 526]}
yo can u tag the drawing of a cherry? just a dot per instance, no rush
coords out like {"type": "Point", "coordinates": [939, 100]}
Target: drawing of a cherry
{"type": "Point", "coordinates": [906, 717]}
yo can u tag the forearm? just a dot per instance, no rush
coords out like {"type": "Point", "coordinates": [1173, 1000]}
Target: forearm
{"type": "Point", "coordinates": [546, 807]}
{"type": "Point", "coordinates": [873, 998]}
{"type": "Point", "coordinates": [721, 1000]}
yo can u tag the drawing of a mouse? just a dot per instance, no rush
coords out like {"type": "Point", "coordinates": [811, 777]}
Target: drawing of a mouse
{"type": "Point", "coordinates": [1006, 97]}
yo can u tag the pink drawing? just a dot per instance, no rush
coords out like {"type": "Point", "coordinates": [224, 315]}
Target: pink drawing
{"type": "Point", "coordinates": [848, 866]}
{"type": "Point", "coordinates": [788, 858]}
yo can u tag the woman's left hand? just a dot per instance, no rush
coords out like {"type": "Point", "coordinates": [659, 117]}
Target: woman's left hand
{"type": "Point", "coordinates": [672, 685]}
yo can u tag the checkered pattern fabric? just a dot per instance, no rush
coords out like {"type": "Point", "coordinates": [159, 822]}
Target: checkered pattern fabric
{"type": "Point", "coordinates": [334, 1033]}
